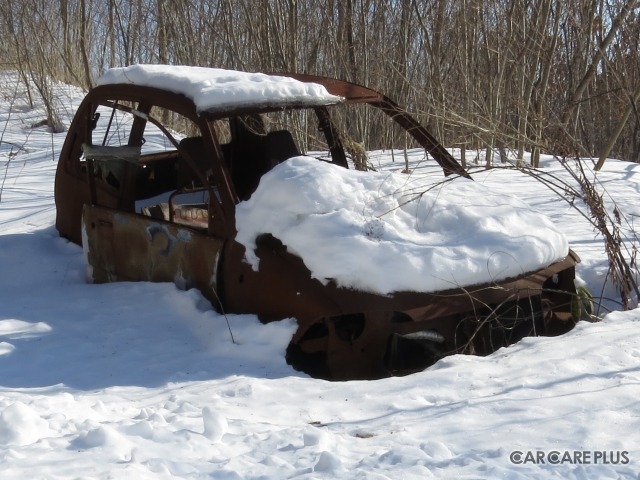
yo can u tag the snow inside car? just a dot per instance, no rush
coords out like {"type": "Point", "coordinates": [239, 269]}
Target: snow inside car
{"type": "Point", "coordinates": [250, 188]}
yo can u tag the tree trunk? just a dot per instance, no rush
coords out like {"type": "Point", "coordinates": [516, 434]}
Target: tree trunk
{"type": "Point", "coordinates": [616, 133]}
{"type": "Point", "coordinates": [597, 58]}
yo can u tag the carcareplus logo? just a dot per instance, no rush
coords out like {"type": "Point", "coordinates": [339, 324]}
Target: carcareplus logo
{"type": "Point", "coordinates": [569, 457]}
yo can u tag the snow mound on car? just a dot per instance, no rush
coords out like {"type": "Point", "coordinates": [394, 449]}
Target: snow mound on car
{"type": "Point", "coordinates": [387, 232]}
{"type": "Point", "coordinates": [214, 89]}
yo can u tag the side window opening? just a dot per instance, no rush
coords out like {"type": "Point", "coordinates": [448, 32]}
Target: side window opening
{"type": "Point", "coordinates": [188, 202]}
{"type": "Point", "coordinates": [111, 128]}
{"type": "Point", "coordinates": [257, 143]}
{"type": "Point", "coordinates": [177, 185]}
{"type": "Point", "coordinates": [164, 177]}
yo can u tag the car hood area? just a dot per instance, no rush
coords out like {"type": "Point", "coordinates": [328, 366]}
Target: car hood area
{"type": "Point", "coordinates": [384, 232]}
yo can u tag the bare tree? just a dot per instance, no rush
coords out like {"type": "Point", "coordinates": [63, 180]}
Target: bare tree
{"type": "Point", "coordinates": [505, 74]}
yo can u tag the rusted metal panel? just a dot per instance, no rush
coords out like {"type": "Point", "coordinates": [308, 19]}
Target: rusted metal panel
{"type": "Point", "coordinates": [122, 246]}
{"type": "Point", "coordinates": [283, 287]}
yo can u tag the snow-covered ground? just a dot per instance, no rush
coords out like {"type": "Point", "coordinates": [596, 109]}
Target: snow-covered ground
{"type": "Point", "coordinates": [141, 380]}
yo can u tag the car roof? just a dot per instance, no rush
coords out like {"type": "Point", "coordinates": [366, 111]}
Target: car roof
{"type": "Point", "coordinates": [215, 90]}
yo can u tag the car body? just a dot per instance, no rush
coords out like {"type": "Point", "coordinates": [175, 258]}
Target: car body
{"type": "Point", "coordinates": [165, 210]}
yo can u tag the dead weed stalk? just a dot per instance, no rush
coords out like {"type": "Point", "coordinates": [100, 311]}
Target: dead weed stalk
{"type": "Point", "coordinates": [621, 253]}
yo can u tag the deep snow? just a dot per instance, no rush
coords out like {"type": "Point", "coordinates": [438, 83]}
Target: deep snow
{"type": "Point", "coordinates": [141, 380]}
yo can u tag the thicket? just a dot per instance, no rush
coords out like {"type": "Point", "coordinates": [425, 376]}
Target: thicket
{"type": "Point", "coordinates": [557, 76]}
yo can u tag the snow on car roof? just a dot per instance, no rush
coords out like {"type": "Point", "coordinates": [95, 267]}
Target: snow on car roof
{"type": "Point", "coordinates": [215, 89]}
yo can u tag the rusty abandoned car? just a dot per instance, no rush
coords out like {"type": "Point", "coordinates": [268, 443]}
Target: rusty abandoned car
{"type": "Point", "coordinates": [151, 174]}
